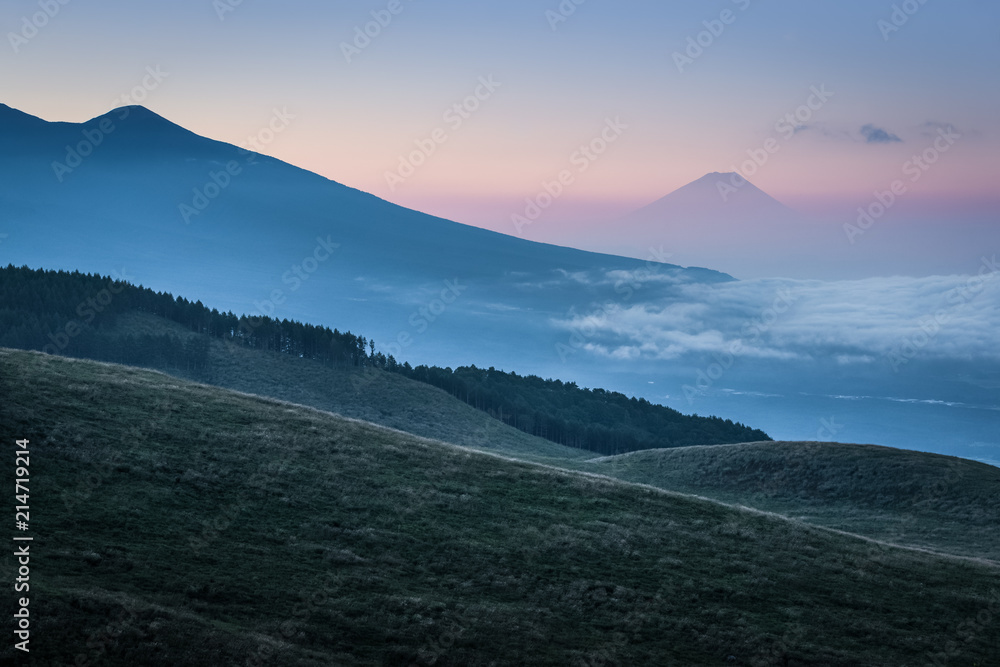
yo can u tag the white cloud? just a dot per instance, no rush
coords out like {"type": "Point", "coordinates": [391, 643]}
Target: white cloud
{"type": "Point", "coordinates": [848, 322]}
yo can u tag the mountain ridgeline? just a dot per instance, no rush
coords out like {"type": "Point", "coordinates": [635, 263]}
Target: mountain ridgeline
{"type": "Point", "coordinates": [77, 314]}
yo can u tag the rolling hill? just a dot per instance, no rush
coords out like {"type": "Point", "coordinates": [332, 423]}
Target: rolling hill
{"type": "Point", "coordinates": [930, 501]}
{"type": "Point", "coordinates": [179, 523]}
{"type": "Point", "coordinates": [371, 394]}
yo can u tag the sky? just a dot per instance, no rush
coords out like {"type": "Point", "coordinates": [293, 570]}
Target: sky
{"type": "Point", "coordinates": [688, 88]}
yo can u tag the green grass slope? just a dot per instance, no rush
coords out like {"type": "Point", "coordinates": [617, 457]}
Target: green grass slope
{"type": "Point", "coordinates": [182, 524]}
{"type": "Point", "coordinates": [371, 394]}
{"type": "Point", "coordinates": [905, 497]}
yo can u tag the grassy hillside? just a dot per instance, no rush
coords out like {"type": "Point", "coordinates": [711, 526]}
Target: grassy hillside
{"type": "Point", "coordinates": [914, 498]}
{"type": "Point", "coordinates": [359, 392]}
{"type": "Point", "coordinates": [182, 524]}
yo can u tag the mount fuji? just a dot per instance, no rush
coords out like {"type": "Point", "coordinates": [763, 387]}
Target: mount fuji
{"type": "Point", "coordinates": [713, 221]}
{"type": "Point", "coordinates": [724, 198]}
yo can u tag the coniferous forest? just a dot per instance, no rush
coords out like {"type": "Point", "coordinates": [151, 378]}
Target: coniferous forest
{"type": "Point", "coordinates": [76, 314]}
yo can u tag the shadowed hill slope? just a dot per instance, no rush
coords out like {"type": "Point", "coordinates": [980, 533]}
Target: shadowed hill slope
{"type": "Point", "coordinates": [379, 397]}
{"type": "Point", "coordinates": [913, 498]}
{"type": "Point", "coordinates": [184, 524]}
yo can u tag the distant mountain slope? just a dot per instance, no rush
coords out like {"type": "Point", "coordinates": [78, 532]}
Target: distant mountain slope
{"type": "Point", "coordinates": [725, 199]}
{"type": "Point", "coordinates": [185, 524]}
{"type": "Point", "coordinates": [187, 214]}
{"type": "Point", "coordinates": [714, 221]}
{"type": "Point", "coordinates": [925, 500]}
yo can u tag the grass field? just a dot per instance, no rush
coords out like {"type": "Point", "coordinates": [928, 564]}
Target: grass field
{"type": "Point", "coordinates": [182, 524]}
{"type": "Point", "coordinates": [371, 394]}
{"type": "Point", "coordinates": [923, 500]}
